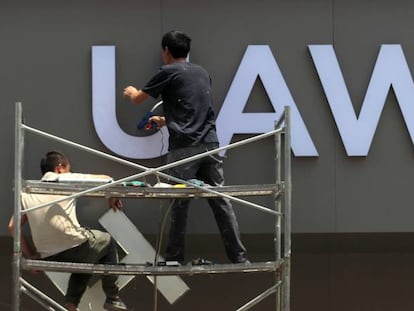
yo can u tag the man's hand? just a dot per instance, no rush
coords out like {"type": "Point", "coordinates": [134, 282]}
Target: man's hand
{"type": "Point", "coordinates": [115, 204]}
{"type": "Point", "coordinates": [135, 95]}
{"type": "Point", "coordinates": [159, 120]}
{"type": "Point", "coordinates": [130, 92]}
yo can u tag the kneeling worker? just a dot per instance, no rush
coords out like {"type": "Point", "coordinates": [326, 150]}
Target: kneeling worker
{"type": "Point", "coordinates": [58, 236]}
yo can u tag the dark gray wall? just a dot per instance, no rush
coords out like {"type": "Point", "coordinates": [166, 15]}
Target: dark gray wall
{"type": "Point", "coordinates": [45, 62]}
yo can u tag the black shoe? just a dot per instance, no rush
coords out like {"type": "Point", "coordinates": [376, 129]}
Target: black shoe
{"type": "Point", "coordinates": [201, 262]}
{"type": "Point", "coordinates": [169, 263]}
{"type": "Point", "coordinates": [115, 304]}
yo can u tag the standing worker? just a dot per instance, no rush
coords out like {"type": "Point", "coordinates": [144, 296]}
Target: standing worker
{"type": "Point", "coordinates": [185, 89]}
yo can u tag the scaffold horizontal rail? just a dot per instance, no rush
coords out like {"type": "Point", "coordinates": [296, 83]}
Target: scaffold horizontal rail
{"type": "Point", "coordinates": [145, 269]}
{"type": "Point", "coordinates": [59, 188]}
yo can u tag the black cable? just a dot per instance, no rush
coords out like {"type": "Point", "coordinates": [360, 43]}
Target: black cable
{"type": "Point", "coordinates": [158, 250]}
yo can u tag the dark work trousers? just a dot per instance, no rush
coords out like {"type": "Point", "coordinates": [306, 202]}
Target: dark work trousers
{"type": "Point", "coordinates": [209, 170]}
{"type": "Point", "coordinates": [99, 248]}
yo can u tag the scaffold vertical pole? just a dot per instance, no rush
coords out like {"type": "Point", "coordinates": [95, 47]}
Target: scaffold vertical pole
{"type": "Point", "coordinates": [287, 213]}
{"type": "Point", "coordinates": [18, 151]}
{"type": "Point", "coordinates": [278, 219]}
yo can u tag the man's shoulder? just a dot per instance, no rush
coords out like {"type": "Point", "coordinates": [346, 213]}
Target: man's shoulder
{"type": "Point", "coordinates": [181, 66]}
{"type": "Point", "coordinates": [74, 177]}
{"type": "Point", "coordinates": [50, 176]}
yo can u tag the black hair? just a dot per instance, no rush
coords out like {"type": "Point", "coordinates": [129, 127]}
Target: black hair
{"type": "Point", "coordinates": [51, 160]}
{"type": "Point", "coordinates": [177, 42]}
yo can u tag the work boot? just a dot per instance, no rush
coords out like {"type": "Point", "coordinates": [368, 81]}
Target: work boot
{"type": "Point", "coordinates": [115, 304]}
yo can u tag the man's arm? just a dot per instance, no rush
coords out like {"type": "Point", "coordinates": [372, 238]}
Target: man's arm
{"type": "Point", "coordinates": [27, 250]}
{"type": "Point", "coordinates": [114, 203]}
{"type": "Point", "coordinates": [135, 95]}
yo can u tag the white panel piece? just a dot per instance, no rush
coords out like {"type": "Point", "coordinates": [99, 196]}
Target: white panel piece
{"type": "Point", "coordinates": [139, 250]}
{"type": "Point", "coordinates": [59, 279]}
{"type": "Point", "coordinates": [92, 299]}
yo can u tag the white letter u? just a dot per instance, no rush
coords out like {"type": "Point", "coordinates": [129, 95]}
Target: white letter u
{"type": "Point", "coordinates": [104, 112]}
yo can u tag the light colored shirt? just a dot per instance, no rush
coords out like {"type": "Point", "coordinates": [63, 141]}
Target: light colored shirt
{"type": "Point", "coordinates": [55, 228]}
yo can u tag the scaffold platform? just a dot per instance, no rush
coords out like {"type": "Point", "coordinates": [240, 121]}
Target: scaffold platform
{"type": "Point", "coordinates": [280, 192]}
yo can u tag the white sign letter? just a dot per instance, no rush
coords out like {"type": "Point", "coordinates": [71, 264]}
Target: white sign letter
{"type": "Point", "coordinates": [391, 69]}
{"type": "Point", "coordinates": [258, 61]}
{"type": "Point", "coordinates": [104, 112]}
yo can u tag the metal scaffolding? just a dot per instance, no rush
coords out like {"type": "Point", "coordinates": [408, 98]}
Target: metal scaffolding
{"type": "Point", "coordinates": [280, 191]}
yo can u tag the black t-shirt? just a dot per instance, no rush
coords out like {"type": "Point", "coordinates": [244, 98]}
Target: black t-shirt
{"type": "Point", "coordinates": [185, 89]}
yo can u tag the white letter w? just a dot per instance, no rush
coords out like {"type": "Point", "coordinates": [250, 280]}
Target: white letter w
{"type": "Point", "coordinates": [391, 69]}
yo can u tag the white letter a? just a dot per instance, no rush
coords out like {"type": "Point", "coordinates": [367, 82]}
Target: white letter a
{"type": "Point", "coordinates": [259, 61]}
